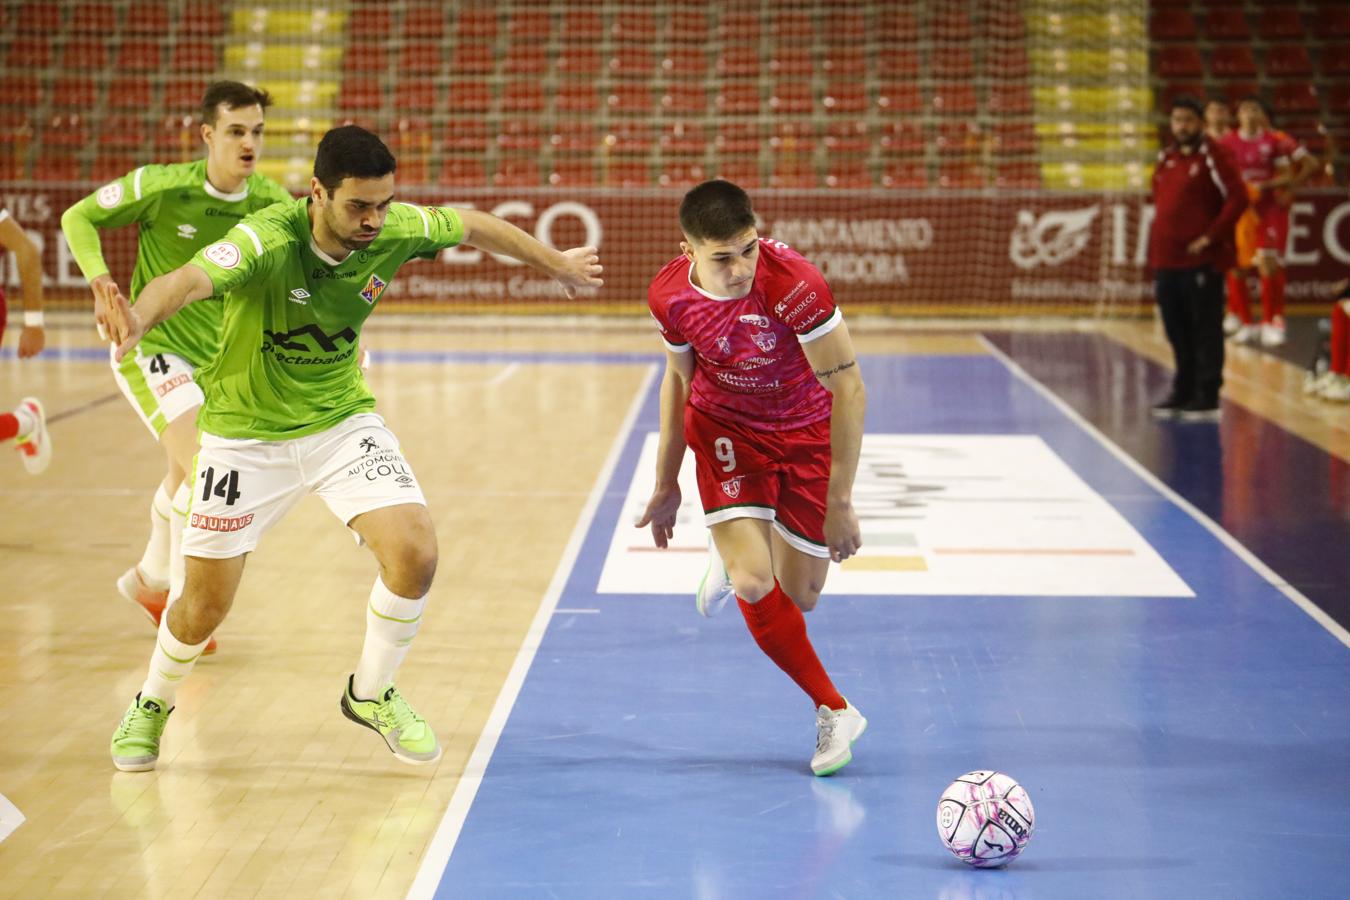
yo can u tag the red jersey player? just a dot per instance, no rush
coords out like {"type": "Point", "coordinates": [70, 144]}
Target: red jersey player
{"type": "Point", "coordinates": [27, 422]}
{"type": "Point", "coordinates": [1272, 164]}
{"type": "Point", "coordinates": [762, 383]}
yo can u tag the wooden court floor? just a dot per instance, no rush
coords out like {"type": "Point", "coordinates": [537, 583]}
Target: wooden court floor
{"type": "Point", "coordinates": [263, 788]}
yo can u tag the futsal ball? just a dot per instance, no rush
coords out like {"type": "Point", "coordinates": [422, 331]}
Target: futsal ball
{"type": "Point", "coordinates": [985, 819]}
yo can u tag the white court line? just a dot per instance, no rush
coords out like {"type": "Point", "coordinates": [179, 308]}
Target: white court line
{"type": "Point", "coordinates": [447, 833]}
{"type": "Point", "coordinates": [1232, 543]}
{"type": "Point", "coordinates": [503, 374]}
{"type": "Point", "coordinates": [10, 817]}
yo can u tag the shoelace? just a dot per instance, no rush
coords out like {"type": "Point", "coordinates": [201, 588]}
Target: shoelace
{"type": "Point", "coordinates": [825, 734]}
{"type": "Point", "coordinates": [396, 712]}
{"type": "Point", "coordinates": [143, 718]}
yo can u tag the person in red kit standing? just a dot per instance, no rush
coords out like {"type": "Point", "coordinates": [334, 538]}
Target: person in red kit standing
{"type": "Point", "coordinates": [762, 383]}
{"type": "Point", "coordinates": [1198, 195]}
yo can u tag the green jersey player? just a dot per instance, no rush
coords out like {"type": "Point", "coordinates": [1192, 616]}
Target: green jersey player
{"type": "Point", "coordinates": [287, 412]}
{"type": "Point", "coordinates": [178, 209]}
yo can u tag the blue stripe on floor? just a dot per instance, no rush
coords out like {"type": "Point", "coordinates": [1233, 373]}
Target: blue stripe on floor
{"type": "Point", "coordinates": [1173, 748]}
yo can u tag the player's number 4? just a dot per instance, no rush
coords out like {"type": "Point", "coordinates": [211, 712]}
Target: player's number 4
{"type": "Point", "coordinates": [227, 486]}
{"type": "Point", "coordinates": [726, 453]}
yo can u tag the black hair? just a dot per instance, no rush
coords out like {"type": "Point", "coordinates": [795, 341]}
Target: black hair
{"type": "Point", "coordinates": [1186, 101]}
{"type": "Point", "coordinates": [716, 210]}
{"type": "Point", "coordinates": [349, 151]}
{"type": "Point", "coordinates": [231, 95]}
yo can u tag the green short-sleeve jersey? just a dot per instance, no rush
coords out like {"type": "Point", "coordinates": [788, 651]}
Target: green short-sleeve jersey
{"type": "Point", "coordinates": [177, 212]}
{"type": "Point", "coordinates": [288, 364]}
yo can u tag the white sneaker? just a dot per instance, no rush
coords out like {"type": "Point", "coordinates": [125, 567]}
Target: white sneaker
{"type": "Point", "coordinates": [1313, 383]}
{"type": "Point", "coordinates": [1272, 335]}
{"type": "Point", "coordinates": [1231, 324]}
{"type": "Point", "coordinates": [1246, 334]}
{"type": "Point", "coordinates": [715, 589]}
{"type": "Point", "coordinates": [836, 730]}
{"type": "Point", "coordinates": [1337, 389]}
{"type": "Point", "coordinates": [35, 447]}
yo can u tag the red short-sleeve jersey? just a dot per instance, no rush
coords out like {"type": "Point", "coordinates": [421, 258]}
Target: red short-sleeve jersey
{"type": "Point", "coordinates": [749, 364]}
{"type": "Point", "coordinates": [1261, 157]}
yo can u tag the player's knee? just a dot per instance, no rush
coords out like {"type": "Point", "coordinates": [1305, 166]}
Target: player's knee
{"type": "Point", "coordinates": [752, 586]}
{"type": "Point", "coordinates": [806, 600]}
{"type": "Point", "coordinates": [411, 571]}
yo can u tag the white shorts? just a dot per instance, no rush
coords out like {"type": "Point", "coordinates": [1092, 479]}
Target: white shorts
{"type": "Point", "coordinates": [244, 487]}
{"type": "Point", "coordinates": [160, 387]}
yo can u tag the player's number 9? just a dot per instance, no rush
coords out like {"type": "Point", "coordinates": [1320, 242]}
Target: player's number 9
{"type": "Point", "coordinates": [726, 453]}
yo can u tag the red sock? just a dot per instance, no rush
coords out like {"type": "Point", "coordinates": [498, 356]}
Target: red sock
{"type": "Point", "coordinates": [1239, 300]}
{"type": "Point", "coordinates": [1278, 282]}
{"type": "Point", "coordinates": [1340, 339]}
{"type": "Point", "coordinates": [9, 426]}
{"type": "Point", "coordinates": [1272, 295]}
{"type": "Point", "coordinates": [779, 628]}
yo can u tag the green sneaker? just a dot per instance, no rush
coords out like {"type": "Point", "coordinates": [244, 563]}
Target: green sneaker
{"type": "Point", "coordinates": [135, 743]}
{"type": "Point", "coordinates": [405, 732]}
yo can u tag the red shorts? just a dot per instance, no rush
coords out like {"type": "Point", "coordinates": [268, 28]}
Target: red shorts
{"type": "Point", "coordinates": [1264, 231]}
{"type": "Point", "coordinates": [779, 476]}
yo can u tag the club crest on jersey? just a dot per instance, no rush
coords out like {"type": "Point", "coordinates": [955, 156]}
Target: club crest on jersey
{"type": "Point", "coordinates": [110, 195]}
{"type": "Point", "coordinates": [373, 289]}
{"type": "Point", "coordinates": [732, 487]}
{"type": "Point", "coordinates": [757, 321]}
{"type": "Point", "coordinates": [764, 340]}
{"type": "Point", "coordinates": [724, 345]}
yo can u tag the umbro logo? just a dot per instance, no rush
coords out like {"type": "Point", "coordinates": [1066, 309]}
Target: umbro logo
{"type": "Point", "coordinates": [187, 232]}
{"type": "Point", "coordinates": [301, 296]}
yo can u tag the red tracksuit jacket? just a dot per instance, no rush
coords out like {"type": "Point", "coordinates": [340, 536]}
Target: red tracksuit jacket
{"type": "Point", "coordinates": [1195, 193]}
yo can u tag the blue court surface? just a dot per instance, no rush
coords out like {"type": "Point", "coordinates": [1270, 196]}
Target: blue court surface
{"type": "Point", "coordinates": [1187, 743]}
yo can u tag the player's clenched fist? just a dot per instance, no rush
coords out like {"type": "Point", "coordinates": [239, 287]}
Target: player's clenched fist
{"type": "Point", "coordinates": [581, 268]}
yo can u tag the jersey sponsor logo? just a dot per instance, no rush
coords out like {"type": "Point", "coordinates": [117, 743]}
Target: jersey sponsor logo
{"type": "Point", "coordinates": [224, 254]}
{"type": "Point", "coordinates": [301, 296]}
{"type": "Point", "coordinates": [110, 195]}
{"type": "Point", "coordinates": [1051, 239]}
{"type": "Point", "coordinates": [732, 487]}
{"type": "Point", "coordinates": [221, 523]}
{"type": "Point", "coordinates": [373, 289]}
{"type": "Point", "coordinates": [765, 340]}
{"type": "Point", "coordinates": [368, 444]}
{"type": "Point", "coordinates": [724, 345]}
{"type": "Point", "coordinates": [292, 340]}
{"type": "Point", "coordinates": [187, 232]}
{"type": "Point", "coordinates": [384, 464]}
{"type": "Point", "coordinates": [783, 304]}
{"type": "Point", "coordinates": [174, 382]}
{"type": "Point", "coordinates": [796, 310]}
{"type": "Point", "coordinates": [757, 321]}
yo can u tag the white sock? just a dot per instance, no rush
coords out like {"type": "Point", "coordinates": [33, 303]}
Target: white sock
{"type": "Point", "coordinates": [177, 522]}
{"type": "Point", "coordinates": [154, 564]}
{"type": "Point", "coordinates": [391, 623]}
{"type": "Point", "coordinates": [27, 421]}
{"type": "Point", "coordinates": [170, 664]}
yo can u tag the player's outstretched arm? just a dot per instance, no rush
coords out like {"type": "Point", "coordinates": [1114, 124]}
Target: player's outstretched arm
{"type": "Point", "coordinates": [159, 300]}
{"type": "Point", "coordinates": [29, 262]}
{"type": "Point", "coordinates": [576, 268]}
{"type": "Point", "coordinates": [665, 500]}
{"type": "Point", "coordinates": [835, 363]}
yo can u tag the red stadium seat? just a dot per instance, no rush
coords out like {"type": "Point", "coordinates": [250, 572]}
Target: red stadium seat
{"type": "Point", "coordinates": [67, 130]}
{"type": "Point", "coordinates": [1013, 138]}
{"type": "Point", "coordinates": [1338, 101]}
{"type": "Point", "coordinates": [681, 174]}
{"type": "Point", "coordinates": [424, 21]}
{"type": "Point", "coordinates": [897, 26]}
{"type": "Point", "coordinates": [962, 175]}
{"type": "Point", "coordinates": [1005, 62]}
{"type": "Point", "coordinates": [899, 97]}
{"type": "Point", "coordinates": [1227, 25]}
{"type": "Point", "coordinates": [1235, 61]}
{"type": "Point", "coordinates": [1189, 88]}
{"type": "Point", "coordinates": [421, 58]}
{"type": "Point", "coordinates": [194, 56]}
{"type": "Point", "coordinates": [19, 91]}
{"type": "Point", "coordinates": [365, 56]}
{"type": "Point", "coordinates": [520, 135]}
{"type": "Point", "coordinates": [798, 175]}
{"type": "Point", "coordinates": [573, 136]}
{"type": "Point", "coordinates": [1009, 99]}
{"type": "Point", "coordinates": [360, 92]}
{"type": "Point", "coordinates": [579, 62]}
{"type": "Point", "coordinates": [793, 136]}
{"type": "Point", "coordinates": [1279, 23]}
{"type": "Point", "coordinates": [582, 26]}
{"type": "Point", "coordinates": [56, 167]}
{"type": "Point", "coordinates": [848, 174]}
{"type": "Point", "coordinates": [576, 97]}
{"type": "Point", "coordinates": [844, 30]}
{"type": "Point", "coordinates": [1295, 97]}
{"type": "Point", "coordinates": [1018, 175]}
{"type": "Point", "coordinates": [202, 17]}
{"type": "Point", "coordinates": [738, 98]}
{"type": "Point", "coordinates": [629, 98]}
{"type": "Point", "coordinates": [958, 138]}
{"type": "Point", "coordinates": [738, 28]}
{"type": "Point", "coordinates": [1172, 25]}
{"type": "Point", "coordinates": [377, 22]}
{"type": "Point", "coordinates": [899, 64]}
{"type": "Point", "coordinates": [689, 28]}
{"type": "Point", "coordinates": [477, 24]}
{"type": "Point", "coordinates": [93, 18]}
{"type": "Point", "coordinates": [517, 172]}
{"type": "Point", "coordinates": [844, 137]}
{"type": "Point", "coordinates": [1331, 19]}
{"type": "Point", "coordinates": [16, 128]}
{"type": "Point", "coordinates": [123, 131]}
{"type": "Point", "coordinates": [85, 54]}
{"type": "Point", "coordinates": [522, 97]}
{"type": "Point", "coordinates": [140, 56]}
{"type": "Point", "coordinates": [1335, 60]}
{"type": "Point", "coordinates": [627, 174]}
{"type": "Point", "coordinates": [1179, 61]}
{"type": "Point", "coordinates": [1006, 25]}
{"type": "Point", "coordinates": [130, 92]}
{"type": "Point", "coordinates": [954, 98]}
{"type": "Point", "coordinates": [413, 169]}
{"type": "Point", "coordinates": [903, 137]}
{"type": "Point", "coordinates": [472, 135]}
{"type": "Point", "coordinates": [1288, 61]}
{"type": "Point", "coordinates": [630, 138]}
{"type": "Point", "coordinates": [178, 135]}
{"type": "Point", "coordinates": [634, 27]}
{"type": "Point", "coordinates": [792, 61]}
{"type": "Point", "coordinates": [630, 61]}
{"type": "Point", "coordinates": [470, 58]}
{"type": "Point", "coordinates": [458, 172]}
{"type": "Point", "coordinates": [108, 166]}
{"type": "Point", "coordinates": [951, 25]}
{"type": "Point", "coordinates": [904, 174]}
{"type": "Point", "coordinates": [525, 58]}
{"type": "Point", "coordinates": [739, 138]}
{"type": "Point", "coordinates": [685, 98]}
{"type": "Point", "coordinates": [570, 173]}
{"type": "Point", "coordinates": [74, 92]}
{"type": "Point", "coordinates": [683, 138]}
{"type": "Point", "coordinates": [793, 28]}
{"type": "Point", "coordinates": [29, 53]}
{"type": "Point", "coordinates": [410, 137]}
{"type": "Point", "coordinates": [738, 62]}
{"type": "Point", "coordinates": [1233, 90]}
{"type": "Point", "coordinates": [845, 98]}
{"type": "Point", "coordinates": [421, 97]}
{"type": "Point", "coordinates": [952, 62]}
{"type": "Point", "coordinates": [792, 98]}
{"type": "Point", "coordinates": [465, 97]}
{"type": "Point", "coordinates": [529, 26]}
{"type": "Point", "coordinates": [39, 17]}
{"type": "Point", "coordinates": [149, 17]}
{"type": "Point", "coordinates": [744, 173]}
{"type": "Point", "coordinates": [848, 62]}
{"type": "Point", "coordinates": [685, 62]}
